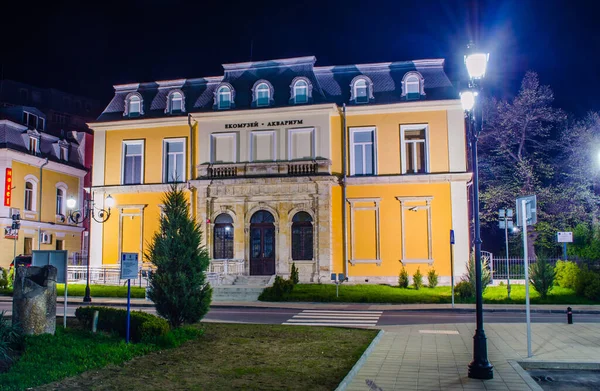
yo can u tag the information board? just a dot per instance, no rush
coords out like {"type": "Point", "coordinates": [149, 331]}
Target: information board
{"type": "Point", "coordinates": [56, 258]}
{"type": "Point", "coordinates": [564, 237]}
{"type": "Point", "coordinates": [129, 266]}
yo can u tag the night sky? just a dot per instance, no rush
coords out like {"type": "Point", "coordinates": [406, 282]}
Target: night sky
{"type": "Point", "coordinates": [86, 48]}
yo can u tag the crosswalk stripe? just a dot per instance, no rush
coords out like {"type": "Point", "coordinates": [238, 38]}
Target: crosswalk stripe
{"type": "Point", "coordinates": [335, 318]}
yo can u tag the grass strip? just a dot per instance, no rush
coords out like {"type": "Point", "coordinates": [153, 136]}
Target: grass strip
{"type": "Point", "coordinates": [370, 293]}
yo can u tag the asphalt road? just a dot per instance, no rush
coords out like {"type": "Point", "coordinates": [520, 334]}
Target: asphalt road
{"type": "Point", "coordinates": [356, 318]}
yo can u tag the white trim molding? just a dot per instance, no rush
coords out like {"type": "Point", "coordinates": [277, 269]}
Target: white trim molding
{"type": "Point", "coordinates": [420, 80]}
{"type": "Point", "coordinates": [213, 149]}
{"type": "Point", "coordinates": [124, 143]}
{"type": "Point", "coordinates": [312, 137]}
{"type": "Point", "coordinates": [415, 204]}
{"type": "Point", "coordinates": [410, 179]}
{"type": "Point", "coordinates": [165, 160]}
{"type": "Point", "coordinates": [34, 193]}
{"type": "Point", "coordinates": [254, 133]}
{"type": "Point", "coordinates": [374, 207]}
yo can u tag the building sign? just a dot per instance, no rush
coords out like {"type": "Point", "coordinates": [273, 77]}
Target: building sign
{"type": "Point", "coordinates": [129, 266]}
{"type": "Point", "coordinates": [257, 124]}
{"type": "Point", "coordinates": [564, 237]}
{"type": "Point", "coordinates": [8, 187]}
{"type": "Point", "coordinates": [10, 233]}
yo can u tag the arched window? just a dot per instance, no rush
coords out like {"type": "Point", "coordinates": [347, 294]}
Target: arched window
{"type": "Point", "coordinates": [361, 89]}
{"type": "Point", "coordinates": [300, 92]}
{"type": "Point", "coordinates": [262, 216]}
{"type": "Point", "coordinates": [176, 102]}
{"type": "Point", "coordinates": [60, 201]}
{"type": "Point", "coordinates": [224, 98]}
{"type": "Point", "coordinates": [302, 237]}
{"type": "Point", "coordinates": [133, 105]}
{"type": "Point", "coordinates": [412, 84]}
{"type": "Point", "coordinates": [262, 94]}
{"type": "Point", "coordinates": [28, 196]}
{"type": "Point", "coordinates": [223, 237]}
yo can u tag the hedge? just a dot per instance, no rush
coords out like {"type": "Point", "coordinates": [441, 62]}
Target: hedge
{"type": "Point", "coordinates": [144, 327]}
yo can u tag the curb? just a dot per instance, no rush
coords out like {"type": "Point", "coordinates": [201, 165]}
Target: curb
{"type": "Point", "coordinates": [361, 361]}
{"type": "Point", "coordinates": [587, 366]}
{"type": "Point", "coordinates": [525, 376]}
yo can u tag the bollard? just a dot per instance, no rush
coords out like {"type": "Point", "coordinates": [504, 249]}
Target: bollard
{"type": "Point", "coordinates": [569, 315]}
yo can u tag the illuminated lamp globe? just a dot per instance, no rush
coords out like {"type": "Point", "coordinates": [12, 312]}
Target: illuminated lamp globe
{"type": "Point", "coordinates": [476, 64]}
{"type": "Point", "coordinates": [467, 99]}
{"type": "Point", "coordinates": [109, 202]}
{"type": "Point", "coordinates": [71, 203]}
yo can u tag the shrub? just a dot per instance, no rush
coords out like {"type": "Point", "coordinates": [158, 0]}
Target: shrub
{"type": "Point", "coordinates": [178, 286]}
{"type": "Point", "coordinates": [280, 290]}
{"type": "Point", "coordinates": [464, 289]}
{"type": "Point", "coordinates": [432, 278]}
{"type": "Point", "coordinates": [541, 276]}
{"type": "Point", "coordinates": [11, 340]}
{"type": "Point", "coordinates": [418, 279]}
{"type": "Point", "coordinates": [144, 327]}
{"type": "Point", "coordinates": [587, 284]}
{"type": "Point", "coordinates": [486, 276]}
{"type": "Point", "coordinates": [3, 278]}
{"type": "Point", "coordinates": [294, 274]}
{"type": "Point", "coordinates": [403, 278]}
{"type": "Point", "coordinates": [566, 274]}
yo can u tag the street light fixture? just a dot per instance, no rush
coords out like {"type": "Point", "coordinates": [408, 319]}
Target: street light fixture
{"type": "Point", "coordinates": [476, 63]}
{"type": "Point", "coordinates": [99, 215]}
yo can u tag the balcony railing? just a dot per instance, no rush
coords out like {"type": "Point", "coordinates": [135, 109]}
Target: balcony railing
{"type": "Point", "coordinates": [295, 167]}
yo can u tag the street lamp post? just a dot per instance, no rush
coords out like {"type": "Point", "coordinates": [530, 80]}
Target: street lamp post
{"type": "Point", "coordinates": [79, 216]}
{"type": "Point", "coordinates": [476, 63]}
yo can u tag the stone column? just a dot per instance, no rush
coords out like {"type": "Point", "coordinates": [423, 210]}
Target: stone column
{"type": "Point", "coordinates": [34, 299]}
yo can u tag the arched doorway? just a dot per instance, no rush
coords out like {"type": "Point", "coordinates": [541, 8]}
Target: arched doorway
{"type": "Point", "coordinates": [223, 237]}
{"type": "Point", "coordinates": [262, 244]}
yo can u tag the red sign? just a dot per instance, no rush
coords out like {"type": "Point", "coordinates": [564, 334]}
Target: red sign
{"type": "Point", "coordinates": [10, 233]}
{"type": "Point", "coordinates": [8, 187]}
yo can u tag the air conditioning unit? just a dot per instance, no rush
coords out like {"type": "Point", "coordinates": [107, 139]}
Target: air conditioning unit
{"type": "Point", "coordinates": [46, 238]}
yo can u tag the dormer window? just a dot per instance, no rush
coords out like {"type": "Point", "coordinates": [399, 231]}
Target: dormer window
{"type": "Point", "coordinates": [34, 145]}
{"type": "Point", "coordinates": [263, 93]}
{"type": "Point", "coordinates": [224, 98]}
{"type": "Point", "coordinates": [33, 121]}
{"type": "Point", "coordinates": [175, 102]}
{"type": "Point", "coordinates": [361, 90]}
{"type": "Point", "coordinates": [134, 105]}
{"type": "Point", "coordinates": [63, 152]}
{"type": "Point", "coordinates": [412, 85]}
{"type": "Point", "coordinates": [301, 90]}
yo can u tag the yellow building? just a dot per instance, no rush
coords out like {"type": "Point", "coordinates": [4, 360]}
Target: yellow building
{"type": "Point", "coordinates": [40, 172]}
{"type": "Point", "coordinates": [348, 169]}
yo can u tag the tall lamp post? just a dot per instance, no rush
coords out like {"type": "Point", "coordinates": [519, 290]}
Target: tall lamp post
{"type": "Point", "coordinates": [99, 215]}
{"type": "Point", "coordinates": [476, 63]}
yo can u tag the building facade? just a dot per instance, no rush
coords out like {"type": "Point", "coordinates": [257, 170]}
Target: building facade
{"type": "Point", "coordinates": [40, 172]}
{"type": "Point", "coordinates": [355, 169]}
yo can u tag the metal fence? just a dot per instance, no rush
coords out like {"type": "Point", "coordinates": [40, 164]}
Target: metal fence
{"type": "Point", "coordinates": [106, 275]}
{"type": "Point", "coordinates": [513, 268]}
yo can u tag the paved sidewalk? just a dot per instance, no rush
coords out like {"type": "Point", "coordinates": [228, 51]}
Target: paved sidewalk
{"type": "Point", "coordinates": [435, 357]}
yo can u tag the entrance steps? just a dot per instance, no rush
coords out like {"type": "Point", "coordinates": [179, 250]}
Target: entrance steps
{"type": "Point", "coordinates": [243, 288]}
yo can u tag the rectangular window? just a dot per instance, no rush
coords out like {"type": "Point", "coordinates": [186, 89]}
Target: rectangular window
{"type": "Point", "coordinates": [224, 100]}
{"type": "Point", "coordinates": [262, 97]}
{"type": "Point", "coordinates": [28, 197]}
{"type": "Point", "coordinates": [59, 201]}
{"type": "Point", "coordinates": [174, 160]}
{"type": "Point", "coordinates": [361, 94]}
{"type": "Point", "coordinates": [133, 161]}
{"type": "Point", "coordinates": [362, 151]}
{"type": "Point", "coordinates": [414, 149]}
{"type": "Point", "coordinates": [176, 103]}
{"type": "Point", "coordinates": [41, 123]}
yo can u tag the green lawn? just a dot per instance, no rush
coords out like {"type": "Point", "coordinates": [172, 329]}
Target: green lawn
{"type": "Point", "coordinates": [101, 290]}
{"type": "Point", "coordinates": [388, 294]}
{"type": "Point", "coordinates": [72, 351]}
{"type": "Point", "coordinates": [231, 356]}
{"type": "Point", "coordinates": [95, 290]}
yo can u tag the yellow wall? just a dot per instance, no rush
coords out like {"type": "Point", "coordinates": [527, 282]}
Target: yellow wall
{"type": "Point", "coordinates": [390, 229]}
{"type": "Point", "coordinates": [131, 225]}
{"type": "Point", "coordinates": [153, 151]}
{"type": "Point", "coordinates": [388, 139]}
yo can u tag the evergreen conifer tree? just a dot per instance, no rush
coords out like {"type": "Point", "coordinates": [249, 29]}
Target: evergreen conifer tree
{"type": "Point", "coordinates": [178, 286]}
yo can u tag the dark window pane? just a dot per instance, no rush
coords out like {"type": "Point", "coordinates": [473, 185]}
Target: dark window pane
{"type": "Point", "coordinates": [223, 241]}
{"type": "Point", "coordinates": [302, 241]}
